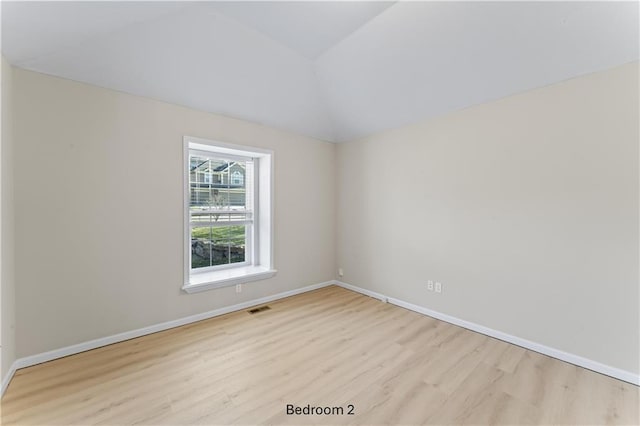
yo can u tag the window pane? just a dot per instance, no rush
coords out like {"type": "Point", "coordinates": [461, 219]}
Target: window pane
{"type": "Point", "coordinates": [237, 240]}
{"type": "Point", "coordinates": [220, 184]}
{"type": "Point", "coordinates": [220, 193]}
{"type": "Point", "coordinates": [211, 246]}
{"type": "Point", "coordinates": [200, 247]}
{"type": "Point", "coordinates": [208, 181]}
{"type": "Point", "coordinates": [228, 244]}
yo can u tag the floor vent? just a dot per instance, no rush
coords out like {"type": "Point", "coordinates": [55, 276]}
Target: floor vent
{"type": "Point", "coordinates": [260, 309]}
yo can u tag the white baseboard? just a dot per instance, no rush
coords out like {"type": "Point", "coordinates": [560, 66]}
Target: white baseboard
{"type": "Point", "coordinates": [364, 291]}
{"type": "Point", "coordinates": [617, 373]}
{"type": "Point", "coordinates": [7, 378]}
{"type": "Point", "coordinates": [589, 364]}
{"type": "Point", "coordinates": [104, 341]}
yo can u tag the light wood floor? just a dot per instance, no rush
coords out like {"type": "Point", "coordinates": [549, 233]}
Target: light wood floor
{"type": "Point", "coordinates": [330, 347]}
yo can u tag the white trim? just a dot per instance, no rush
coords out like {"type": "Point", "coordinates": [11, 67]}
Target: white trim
{"type": "Point", "coordinates": [222, 155]}
{"type": "Point", "coordinates": [260, 244]}
{"type": "Point", "coordinates": [232, 149]}
{"type": "Point", "coordinates": [127, 335]}
{"type": "Point", "coordinates": [186, 200]}
{"type": "Point", "coordinates": [8, 377]}
{"type": "Point", "coordinates": [617, 373]}
{"type": "Point", "coordinates": [221, 224]}
{"type": "Point", "coordinates": [626, 376]}
{"type": "Point", "coordinates": [226, 278]}
{"type": "Point", "coordinates": [364, 291]}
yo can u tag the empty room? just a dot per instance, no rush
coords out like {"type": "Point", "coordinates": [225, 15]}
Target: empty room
{"type": "Point", "coordinates": [320, 212]}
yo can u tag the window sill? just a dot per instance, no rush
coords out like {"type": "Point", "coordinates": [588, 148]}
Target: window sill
{"type": "Point", "coordinates": [227, 277]}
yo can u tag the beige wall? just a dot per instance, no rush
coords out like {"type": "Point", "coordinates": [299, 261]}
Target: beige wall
{"type": "Point", "coordinates": [526, 209]}
{"type": "Point", "coordinates": [99, 211]}
{"type": "Point", "coordinates": [7, 278]}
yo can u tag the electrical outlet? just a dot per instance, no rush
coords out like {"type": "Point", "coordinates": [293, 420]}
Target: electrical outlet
{"type": "Point", "coordinates": [438, 287]}
{"type": "Point", "coordinates": [430, 285]}
{"type": "Point", "coordinates": [340, 272]}
{"type": "Point", "coordinates": [238, 288]}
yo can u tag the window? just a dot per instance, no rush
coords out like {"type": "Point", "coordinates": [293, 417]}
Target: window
{"type": "Point", "coordinates": [237, 178]}
{"type": "Point", "coordinates": [221, 215]}
{"type": "Point", "coordinates": [227, 215]}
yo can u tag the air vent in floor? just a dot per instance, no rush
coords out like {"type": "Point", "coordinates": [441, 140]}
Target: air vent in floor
{"type": "Point", "coordinates": [260, 309]}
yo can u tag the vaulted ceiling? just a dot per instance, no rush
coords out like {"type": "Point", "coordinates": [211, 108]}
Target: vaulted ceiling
{"type": "Point", "coordinates": [336, 71]}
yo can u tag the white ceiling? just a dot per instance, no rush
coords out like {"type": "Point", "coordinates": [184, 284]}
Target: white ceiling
{"type": "Point", "coordinates": [332, 70]}
{"type": "Point", "coordinates": [420, 60]}
{"type": "Point", "coordinates": [309, 28]}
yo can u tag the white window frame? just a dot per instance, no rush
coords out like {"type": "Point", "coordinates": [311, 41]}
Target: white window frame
{"type": "Point", "coordinates": [260, 261]}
